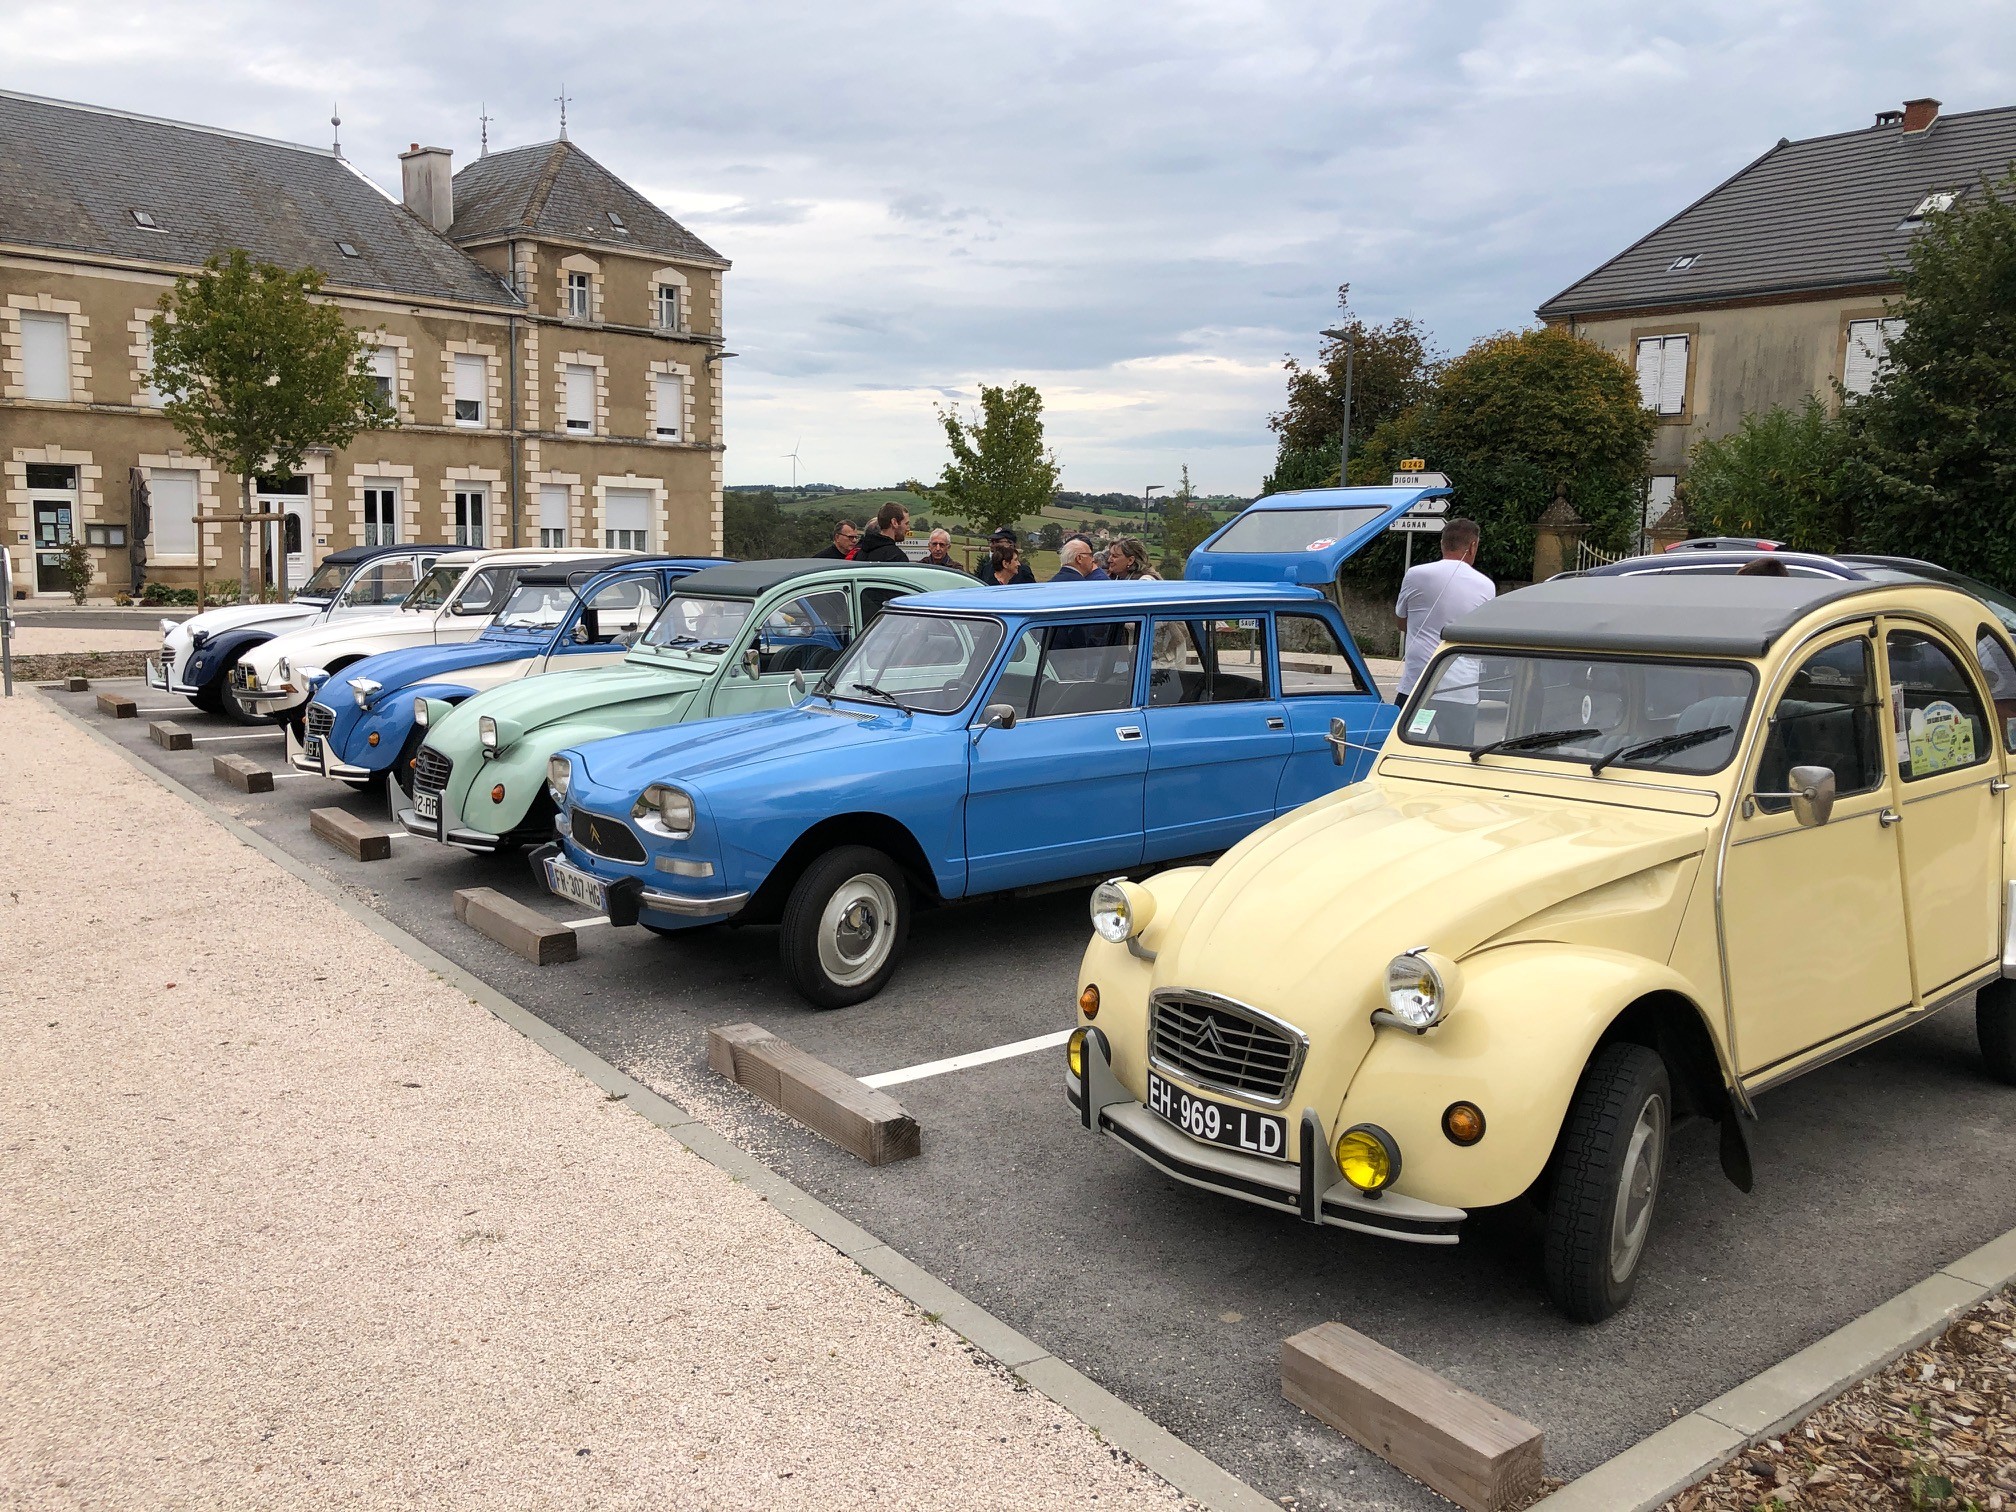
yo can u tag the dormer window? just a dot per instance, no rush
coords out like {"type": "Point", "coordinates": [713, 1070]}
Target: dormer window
{"type": "Point", "coordinates": [144, 219]}
{"type": "Point", "coordinates": [1683, 262]}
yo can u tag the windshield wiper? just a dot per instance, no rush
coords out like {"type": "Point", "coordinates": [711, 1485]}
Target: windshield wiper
{"type": "Point", "coordinates": [889, 698]}
{"type": "Point", "coordinates": [1665, 745]}
{"type": "Point", "coordinates": [1539, 740]}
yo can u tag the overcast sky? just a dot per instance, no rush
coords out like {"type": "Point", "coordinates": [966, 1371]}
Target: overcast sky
{"type": "Point", "coordinates": [1137, 207]}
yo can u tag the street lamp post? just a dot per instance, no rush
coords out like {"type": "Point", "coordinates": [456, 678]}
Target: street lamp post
{"type": "Point", "coordinates": [1147, 504]}
{"type": "Point", "coordinates": [1350, 339]}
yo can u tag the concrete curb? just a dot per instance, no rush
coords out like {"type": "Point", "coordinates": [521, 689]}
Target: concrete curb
{"type": "Point", "coordinates": [1124, 1427]}
{"type": "Point", "coordinates": [1651, 1473]}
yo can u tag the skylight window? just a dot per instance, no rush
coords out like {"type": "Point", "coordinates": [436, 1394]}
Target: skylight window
{"type": "Point", "coordinates": [1683, 262]}
{"type": "Point", "coordinates": [614, 218]}
{"type": "Point", "coordinates": [1932, 204]}
{"type": "Point", "coordinates": [347, 250]}
{"type": "Point", "coordinates": [144, 219]}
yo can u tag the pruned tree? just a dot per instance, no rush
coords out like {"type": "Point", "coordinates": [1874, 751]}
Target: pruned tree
{"type": "Point", "coordinates": [253, 370]}
{"type": "Point", "coordinates": [1000, 469]}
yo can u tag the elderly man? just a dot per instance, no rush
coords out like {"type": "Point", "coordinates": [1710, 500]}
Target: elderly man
{"type": "Point", "coordinates": [846, 536]}
{"type": "Point", "coordinates": [938, 548]}
{"type": "Point", "coordinates": [1079, 566]}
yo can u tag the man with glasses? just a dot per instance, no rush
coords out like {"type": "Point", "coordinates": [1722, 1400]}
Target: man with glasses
{"type": "Point", "coordinates": [846, 537]}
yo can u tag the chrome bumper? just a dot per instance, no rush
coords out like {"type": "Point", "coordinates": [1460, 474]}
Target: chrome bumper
{"type": "Point", "coordinates": [430, 829]}
{"type": "Point", "coordinates": [158, 678]}
{"type": "Point", "coordinates": [719, 906]}
{"type": "Point", "coordinates": [1309, 1189]}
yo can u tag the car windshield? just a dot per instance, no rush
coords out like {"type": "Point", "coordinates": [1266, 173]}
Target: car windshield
{"type": "Point", "coordinates": [325, 580]}
{"type": "Point", "coordinates": [536, 606]}
{"type": "Point", "coordinates": [698, 626]}
{"type": "Point", "coordinates": [1606, 712]}
{"type": "Point", "coordinates": [1294, 529]}
{"type": "Point", "coordinates": [925, 662]}
{"type": "Point", "coordinates": [432, 591]}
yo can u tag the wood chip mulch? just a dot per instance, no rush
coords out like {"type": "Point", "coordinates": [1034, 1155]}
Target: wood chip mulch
{"type": "Point", "coordinates": [1936, 1430]}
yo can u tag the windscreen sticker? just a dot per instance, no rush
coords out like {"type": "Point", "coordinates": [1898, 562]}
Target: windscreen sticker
{"type": "Point", "coordinates": [1423, 721]}
{"type": "Point", "coordinates": [1321, 543]}
{"type": "Point", "coordinates": [1941, 737]}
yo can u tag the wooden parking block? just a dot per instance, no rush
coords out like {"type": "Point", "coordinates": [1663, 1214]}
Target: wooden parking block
{"type": "Point", "coordinates": [862, 1121]}
{"type": "Point", "coordinates": [117, 705]}
{"type": "Point", "coordinates": [170, 736]}
{"type": "Point", "coordinates": [524, 931]}
{"type": "Point", "coordinates": [242, 772]}
{"type": "Point", "coordinates": [77, 685]}
{"type": "Point", "coordinates": [1478, 1455]}
{"type": "Point", "coordinates": [363, 840]}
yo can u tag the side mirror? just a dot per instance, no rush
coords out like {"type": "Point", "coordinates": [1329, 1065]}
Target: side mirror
{"type": "Point", "coordinates": [998, 717]}
{"type": "Point", "coordinates": [580, 635]}
{"type": "Point", "coordinates": [752, 663]}
{"type": "Point", "coordinates": [1812, 795]}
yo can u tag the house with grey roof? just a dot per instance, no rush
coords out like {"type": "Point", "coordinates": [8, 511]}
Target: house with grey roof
{"type": "Point", "coordinates": [1773, 285]}
{"type": "Point", "coordinates": [549, 337]}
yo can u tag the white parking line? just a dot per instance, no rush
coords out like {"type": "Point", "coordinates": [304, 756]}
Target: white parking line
{"type": "Point", "coordinates": [962, 1062]}
{"type": "Point", "coordinates": [248, 735]}
{"type": "Point", "coordinates": [585, 923]}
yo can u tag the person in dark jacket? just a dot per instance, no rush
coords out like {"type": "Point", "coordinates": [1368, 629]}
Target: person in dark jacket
{"type": "Point", "coordinates": [846, 537]}
{"type": "Point", "coordinates": [1079, 565]}
{"type": "Point", "coordinates": [1004, 563]}
{"type": "Point", "coordinates": [1097, 571]}
{"type": "Point", "coordinates": [882, 540]}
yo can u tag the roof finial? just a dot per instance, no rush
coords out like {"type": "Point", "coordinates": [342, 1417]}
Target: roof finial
{"type": "Point", "coordinates": [484, 119]}
{"type": "Point", "coordinates": [563, 110]}
{"type": "Point", "coordinates": [336, 129]}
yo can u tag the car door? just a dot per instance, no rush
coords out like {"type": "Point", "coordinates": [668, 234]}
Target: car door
{"type": "Point", "coordinates": [1060, 794]}
{"type": "Point", "coordinates": [1813, 918]}
{"type": "Point", "coordinates": [1218, 739]}
{"type": "Point", "coordinates": [799, 636]}
{"type": "Point", "coordinates": [1319, 681]}
{"type": "Point", "coordinates": [1950, 785]}
{"type": "Point", "coordinates": [601, 631]}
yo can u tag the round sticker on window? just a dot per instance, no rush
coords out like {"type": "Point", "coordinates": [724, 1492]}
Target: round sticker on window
{"type": "Point", "coordinates": [1940, 737]}
{"type": "Point", "coordinates": [1321, 543]}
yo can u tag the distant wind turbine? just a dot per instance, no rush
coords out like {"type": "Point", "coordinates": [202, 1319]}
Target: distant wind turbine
{"type": "Point", "coordinates": [793, 455]}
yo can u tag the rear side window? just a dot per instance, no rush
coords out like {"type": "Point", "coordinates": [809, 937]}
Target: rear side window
{"type": "Point", "coordinates": [875, 600]}
{"type": "Point", "coordinates": [1935, 715]}
{"type": "Point", "coordinates": [2000, 672]}
{"type": "Point", "coordinates": [1312, 658]}
{"type": "Point", "coordinates": [1070, 669]}
{"type": "Point", "coordinates": [1207, 661]}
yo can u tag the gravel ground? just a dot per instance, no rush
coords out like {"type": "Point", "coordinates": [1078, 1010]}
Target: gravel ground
{"type": "Point", "coordinates": [287, 1221]}
{"type": "Point", "coordinates": [44, 640]}
{"type": "Point", "coordinates": [1935, 1430]}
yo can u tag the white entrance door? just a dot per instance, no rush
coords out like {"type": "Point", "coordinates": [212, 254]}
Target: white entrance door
{"type": "Point", "coordinates": [290, 534]}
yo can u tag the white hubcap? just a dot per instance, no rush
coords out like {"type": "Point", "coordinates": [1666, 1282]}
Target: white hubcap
{"type": "Point", "coordinates": [857, 929]}
{"type": "Point", "coordinates": [1638, 1190]}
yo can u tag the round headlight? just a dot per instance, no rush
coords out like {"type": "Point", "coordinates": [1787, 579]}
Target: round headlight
{"type": "Point", "coordinates": [486, 734]}
{"type": "Point", "coordinates": [420, 713]}
{"type": "Point", "coordinates": [664, 809]}
{"type": "Point", "coordinates": [362, 689]}
{"type": "Point", "coordinates": [1368, 1157]}
{"type": "Point", "coordinates": [1121, 910]}
{"type": "Point", "coordinates": [559, 771]}
{"type": "Point", "coordinates": [282, 670]}
{"type": "Point", "coordinates": [167, 627]}
{"type": "Point", "coordinates": [1420, 987]}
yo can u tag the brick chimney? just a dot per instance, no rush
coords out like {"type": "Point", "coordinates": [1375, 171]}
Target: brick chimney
{"type": "Point", "coordinates": [1919, 115]}
{"type": "Point", "coordinates": [427, 184]}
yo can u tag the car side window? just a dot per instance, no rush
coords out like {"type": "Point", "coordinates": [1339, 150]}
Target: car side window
{"type": "Point", "coordinates": [1825, 717]}
{"type": "Point", "coordinates": [620, 611]}
{"type": "Point", "coordinates": [805, 634]}
{"type": "Point", "coordinates": [1936, 719]}
{"type": "Point", "coordinates": [1070, 669]}
{"type": "Point", "coordinates": [1207, 661]}
{"type": "Point", "coordinates": [1312, 659]}
{"type": "Point", "coordinates": [484, 592]}
{"type": "Point", "coordinates": [1999, 669]}
{"type": "Point", "coordinates": [383, 582]}
{"type": "Point", "coordinates": [875, 600]}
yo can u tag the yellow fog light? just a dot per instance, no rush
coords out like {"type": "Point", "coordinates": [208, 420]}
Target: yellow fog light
{"type": "Point", "coordinates": [1368, 1157]}
{"type": "Point", "coordinates": [1088, 1000]}
{"type": "Point", "coordinates": [1463, 1122]}
{"type": "Point", "coordinates": [372, 738]}
{"type": "Point", "coordinates": [1074, 1052]}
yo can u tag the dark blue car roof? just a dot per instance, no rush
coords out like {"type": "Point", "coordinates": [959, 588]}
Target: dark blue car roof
{"type": "Point", "coordinates": [350, 554]}
{"type": "Point", "coordinates": [1127, 597]}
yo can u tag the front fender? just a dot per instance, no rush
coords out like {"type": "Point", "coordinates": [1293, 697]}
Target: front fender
{"type": "Point", "coordinates": [209, 661]}
{"type": "Point", "coordinates": [1515, 1044]}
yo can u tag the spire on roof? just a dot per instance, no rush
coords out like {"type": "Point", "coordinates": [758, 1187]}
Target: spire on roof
{"type": "Point", "coordinates": [483, 120]}
{"type": "Point", "coordinates": [336, 130]}
{"type": "Point", "coordinates": [562, 97]}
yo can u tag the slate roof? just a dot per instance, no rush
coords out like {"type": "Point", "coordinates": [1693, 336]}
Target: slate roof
{"type": "Point", "coordinates": [1819, 214]}
{"type": "Point", "coordinates": [71, 177]}
{"type": "Point", "coordinates": [555, 189]}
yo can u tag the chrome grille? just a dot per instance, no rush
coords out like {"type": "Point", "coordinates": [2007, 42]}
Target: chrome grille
{"type": "Point", "coordinates": [320, 719]}
{"type": "Point", "coordinates": [1215, 1042]}
{"type": "Point", "coordinates": [431, 771]}
{"type": "Point", "coordinates": [600, 835]}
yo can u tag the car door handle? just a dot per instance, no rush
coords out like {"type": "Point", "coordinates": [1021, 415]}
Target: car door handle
{"type": "Point", "coordinates": [1129, 732]}
{"type": "Point", "coordinates": [1277, 724]}
{"type": "Point", "coordinates": [1999, 785]}
{"type": "Point", "coordinates": [1889, 817]}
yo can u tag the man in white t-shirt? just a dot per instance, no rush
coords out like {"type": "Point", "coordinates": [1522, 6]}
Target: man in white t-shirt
{"type": "Point", "coordinates": [1431, 596]}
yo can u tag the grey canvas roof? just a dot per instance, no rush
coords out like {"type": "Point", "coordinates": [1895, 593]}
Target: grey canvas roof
{"type": "Point", "coordinates": [555, 189]}
{"type": "Point", "coordinates": [1678, 615]}
{"type": "Point", "coordinates": [1818, 214]}
{"type": "Point", "coordinates": [348, 554]}
{"type": "Point", "coordinates": [71, 177]}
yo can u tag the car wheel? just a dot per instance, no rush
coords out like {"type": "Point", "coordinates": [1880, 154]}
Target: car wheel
{"type": "Point", "coordinates": [1606, 1181]}
{"type": "Point", "coordinates": [402, 764]}
{"type": "Point", "coordinates": [844, 926]}
{"type": "Point", "coordinates": [225, 702]}
{"type": "Point", "coordinates": [1995, 1027]}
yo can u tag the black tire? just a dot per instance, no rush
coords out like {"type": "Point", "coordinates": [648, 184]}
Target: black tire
{"type": "Point", "coordinates": [845, 926]}
{"type": "Point", "coordinates": [1995, 1027]}
{"type": "Point", "coordinates": [402, 764]}
{"type": "Point", "coordinates": [218, 699]}
{"type": "Point", "coordinates": [1605, 1188]}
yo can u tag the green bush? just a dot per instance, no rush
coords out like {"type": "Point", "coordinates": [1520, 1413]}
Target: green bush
{"type": "Point", "coordinates": [77, 570]}
{"type": "Point", "coordinates": [1784, 474]}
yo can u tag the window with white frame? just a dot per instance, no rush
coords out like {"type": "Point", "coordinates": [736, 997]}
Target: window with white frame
{"type": "Point", "coordinates": [626, 519]}
{"type": "Point", "coordinates": [381, 514]}
{"type": "Point", "coordinates": [171, 505]}
{"type": "Point", "coordinates": [469, 524]}
{"type": "Point", "coordinates": [45, 355]}
{"type": "Point", "coordinates": [1662, 374]}
{"type": "Point", "coordinates": [671, 407]}
{"type": "Point", "coordinates": [580, 398]}
{"type": "Point", "coordinates": [553, 501]}
{"type": "Point", "coordinates": [580, 293]}
{"type": "Point", "coordinates": [668, 307]}
{"type": "Point", "coordinates": [385, 373]}
{"type": "Point", "coordinates": [149, 396]}
{"type": "Point", "coordinates": [471, 379]}
{"type": "Point", "coordinates": [1659, 497]}
{"type": "Point", "coordinates": [1868, 352]}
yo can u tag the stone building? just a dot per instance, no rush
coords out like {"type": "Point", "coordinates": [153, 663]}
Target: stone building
{"type": "Point", "coordinates": [550, 338]}
{"type": "Point", "coordinates": [1772, 286]}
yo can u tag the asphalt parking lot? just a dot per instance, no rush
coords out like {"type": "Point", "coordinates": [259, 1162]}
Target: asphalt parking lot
{"type": "Point", "coordinates": [1870, 1174]}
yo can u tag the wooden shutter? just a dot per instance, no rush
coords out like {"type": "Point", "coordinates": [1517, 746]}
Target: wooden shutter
{"type": "Point", "coordinates": [1673, 376]}
{"type": "Point", "coordinates": [1650, 349]}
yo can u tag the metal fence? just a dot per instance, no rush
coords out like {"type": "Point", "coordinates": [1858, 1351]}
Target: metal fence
{"type": "Point", "coordinates": [1587, 556]}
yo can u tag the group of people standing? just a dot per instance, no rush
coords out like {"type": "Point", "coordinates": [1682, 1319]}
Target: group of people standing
{"type": "Point", "coordinates": [1124, 560]}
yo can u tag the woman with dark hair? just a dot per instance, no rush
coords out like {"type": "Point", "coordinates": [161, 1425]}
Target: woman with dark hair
{"type": "Point", "coordinates": [1127, 561]}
